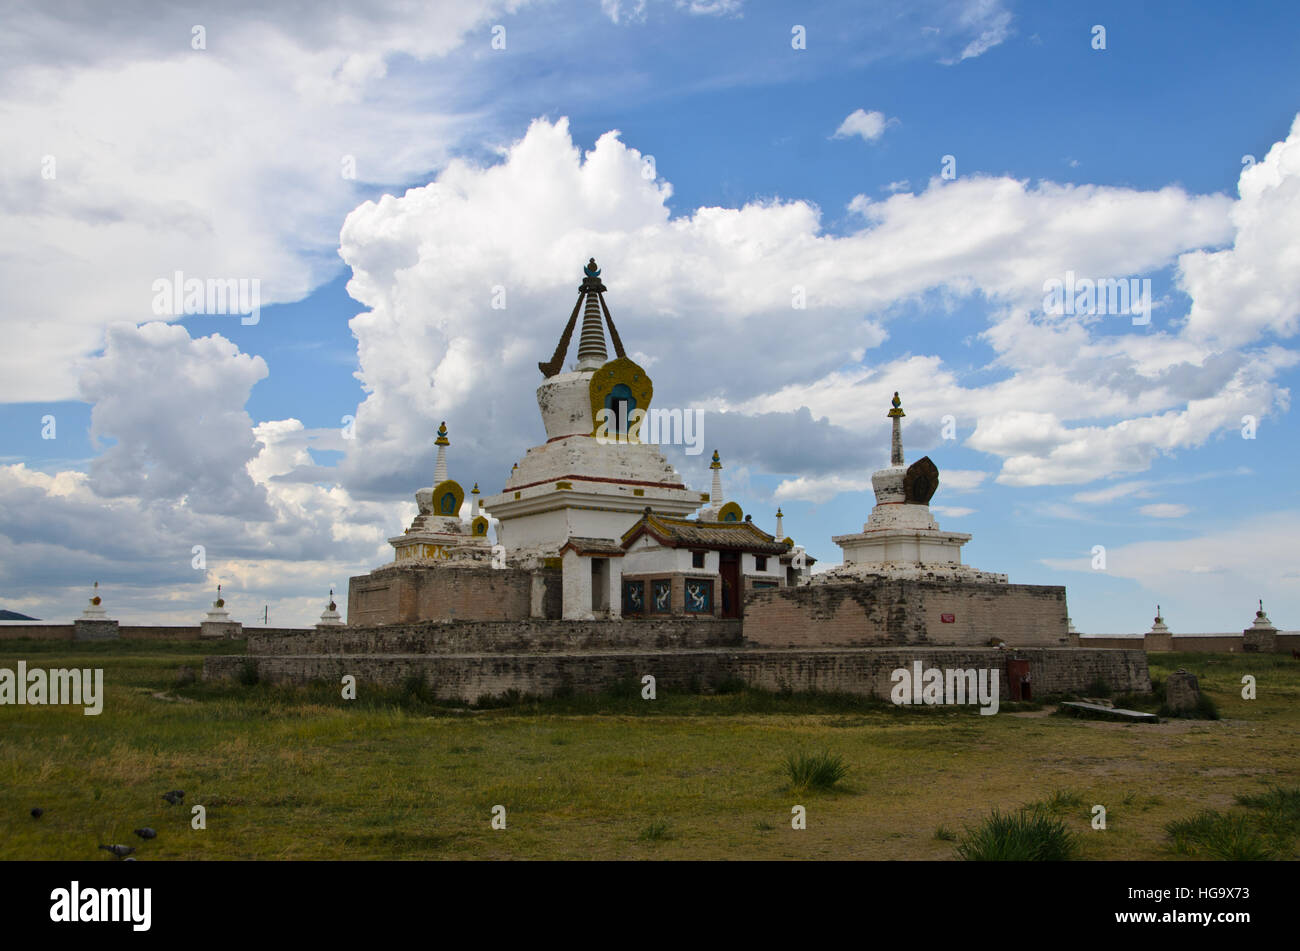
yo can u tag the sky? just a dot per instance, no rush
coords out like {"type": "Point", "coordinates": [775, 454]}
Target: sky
{"type": "Point", "coordinates": [799, 209]}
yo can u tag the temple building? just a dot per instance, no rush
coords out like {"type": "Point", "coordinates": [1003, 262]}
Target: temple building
{"type": "Point", "coordinates": [703, 566]}
{"type": "Point", "coordinates": [606, 566]}
{"type": "Point", "coordinates": [592, 523]}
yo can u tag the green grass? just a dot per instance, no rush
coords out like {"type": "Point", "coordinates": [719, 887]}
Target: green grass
{"type": "Point", "coordinates": [1027, 835]}
{"type": "Point", "coordinates": [299, 773]}
{"type": "Point", "coordinates": [1277, 811]}
{"type": "Point", "coordinates": [815, 772]}
{"type": "Point", "coordinates": [657, 831]}
{"type": "Point", "coordinates": [1061, 801]}
{"type": "Point", "coordinates": [1232, 837]}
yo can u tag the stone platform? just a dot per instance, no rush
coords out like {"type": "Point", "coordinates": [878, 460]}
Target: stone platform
{"type": "Point", "coordinates": [528, 636]}
{"type": "Point", "coordinates": [888, 612]}
{"type": "Point", "coordinates": [864, 671]}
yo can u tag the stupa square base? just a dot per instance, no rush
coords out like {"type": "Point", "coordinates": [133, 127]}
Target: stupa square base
{"type": "Point", "coordinates": [883, 611]}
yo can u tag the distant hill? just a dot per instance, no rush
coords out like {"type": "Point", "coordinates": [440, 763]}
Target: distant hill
{"type": "Point", "coordinates": [15, 616]}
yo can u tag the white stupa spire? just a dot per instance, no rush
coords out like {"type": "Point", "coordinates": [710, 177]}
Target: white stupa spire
{"type": "Point", "coordinates": [715, 495]}
{"type": "Point", "coordinates": [780, 532]}
{"type": "Point", "coordinates": [591, 344]}
{"type": "Point", "coordinates": [440, 468]}
{"type": "Point", "coordinates": [896, 442]}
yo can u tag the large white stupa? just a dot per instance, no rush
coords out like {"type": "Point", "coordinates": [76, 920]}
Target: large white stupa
{"type": "Point", "coordinates": [901, 538]}
{"type": "Point", "coordinates": [593, 477]}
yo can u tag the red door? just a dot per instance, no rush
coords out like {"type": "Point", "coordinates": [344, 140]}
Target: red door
{"type": "Point", "coordinates": [729, 571]}
{"type": "Point", "coordinates": [1018, 680]}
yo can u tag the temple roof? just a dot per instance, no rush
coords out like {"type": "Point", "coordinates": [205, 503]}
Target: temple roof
{"type": "Point", "coordinates": [604, 547]}
{"type": "Point", "coordinates": [690, 533]}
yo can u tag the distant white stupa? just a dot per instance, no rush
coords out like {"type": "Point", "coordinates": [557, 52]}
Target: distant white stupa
{"type": "Point", "coordinates": [95, 610]}
{"type": "Point", "coordinates": [217, 622]}
{"type": "Point", "coordinates": [219, 614]}
{"type": "Point", "coordinates": [330, 616]}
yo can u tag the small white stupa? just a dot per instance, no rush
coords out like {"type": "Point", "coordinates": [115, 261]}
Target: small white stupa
{"type": "Point", "coordinates": [330, 617]}
{"type": "Point", "coordinates": [218, 611]}
{"type": "Point", "coordinates": [901, 539]}
{"type": "Point", "coordinates": [94, 623]}
{"type": "Point", "coordinates": [217, 623]}
{"type": "Point", "coordinates": [1261, 622]}
{"type": "Point", "coordinates": [1158, 625]}
{"type": "Point", "coordinates": [1262, 633]}
{"type": "Point", "coordinates": [437, 535]}
{"type": "Point", "coordinates": [95, 609]}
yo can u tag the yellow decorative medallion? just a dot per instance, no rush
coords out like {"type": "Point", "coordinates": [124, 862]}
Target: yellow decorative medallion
{"type": "Point", "coordinates": [479, 526]}
{"type": "Point", "coordinates": [731, 512]}
{"type": "Point", "coordinates": [447, 497]}
{"type": "Point", "coordinates": [617, 386]}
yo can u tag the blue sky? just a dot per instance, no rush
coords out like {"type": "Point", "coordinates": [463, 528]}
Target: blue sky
{"type": "Point", "coordinates": [1115, 163]}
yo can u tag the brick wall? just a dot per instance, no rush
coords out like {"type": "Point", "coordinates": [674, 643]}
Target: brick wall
{"type": "Point", "coordinates": [1190, 643]}
{"type": "Point", "coordinates": [135, 632]}
{"type": "Point", "coordinates": [469, 676]}
{"type": "Point", "coordinates": [503, 636]}
{"type": "Point", "coordinates": [906, 612]}
{"type": "Point", "coordinates": [404, 594]}
{"type": "Point", "coordinates": [40, 632]}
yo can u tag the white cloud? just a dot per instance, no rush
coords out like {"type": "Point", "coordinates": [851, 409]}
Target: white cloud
{"type": "Point", "coordinates": [961, 480]}
{"type": "Point", "coordinates": [175, 410]}
{"type": "Point", "coordinates": [1111, 493]}
{"type": "Point", "coordinates": [233, 152]}
{"type": "Point", "coordinates": [952, 511]}
{"type": "Point", "coordinates": [620, 12]}
{"type": "Point", "coordinates": [710, 7]}
{"type": "Point", "coordinates": [1072, 404]}
{"type": "Point", "coordinates": [991, 23]}
{"type": "Point", "coordinates": [1252, 288]}
{"type": "Point", "coordinates": [187, 468]}
{"type": "Point", "coordinates": [822, 488]}
{"type": "Point", "coordinates": [1229, 565]}
{"type": "Point", "coordinates": [869, 126]}
{"type": "Point", "coordinates": [1164, 510]}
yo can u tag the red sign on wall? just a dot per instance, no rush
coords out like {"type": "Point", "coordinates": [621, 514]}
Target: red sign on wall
{"type": "Point", "coordinates": [947, 618]}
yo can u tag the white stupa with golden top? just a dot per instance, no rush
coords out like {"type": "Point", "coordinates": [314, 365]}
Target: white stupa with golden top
{"type": "Point", "coordinates": [437, 533]}
{"type": "Point", "coordinates": [901, 538]}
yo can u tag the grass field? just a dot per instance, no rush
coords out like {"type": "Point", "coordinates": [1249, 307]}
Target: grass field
{"type": "Point", "coordinates": [299, 773]}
